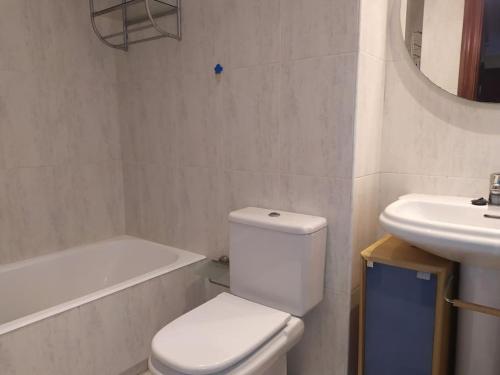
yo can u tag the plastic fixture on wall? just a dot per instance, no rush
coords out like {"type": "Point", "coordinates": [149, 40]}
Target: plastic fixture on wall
{"type": "Point", "coordinates": [219, 69]}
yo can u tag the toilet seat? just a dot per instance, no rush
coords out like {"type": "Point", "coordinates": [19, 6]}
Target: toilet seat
{"type": "Point", "coordinates": [228, 334]}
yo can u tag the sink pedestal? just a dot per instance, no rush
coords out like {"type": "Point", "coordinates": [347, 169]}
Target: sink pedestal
{"type": "Point", "coordinates": [478, 341]}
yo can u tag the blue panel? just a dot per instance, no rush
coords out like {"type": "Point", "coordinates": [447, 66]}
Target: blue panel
{"type": "Point", "coordinates": [399, 326]}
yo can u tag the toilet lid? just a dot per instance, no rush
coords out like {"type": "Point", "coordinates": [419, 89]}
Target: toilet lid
{"type": "Point", "coordinates": [216, 335]}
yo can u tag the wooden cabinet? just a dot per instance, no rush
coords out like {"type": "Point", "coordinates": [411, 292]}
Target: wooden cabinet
{"type": "Point", "coordinates": [404, 320]}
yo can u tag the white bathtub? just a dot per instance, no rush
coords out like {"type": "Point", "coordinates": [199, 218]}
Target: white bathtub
{"type": "Point", "coordinates": [44, 286]}
{"type": "Point", "coordinates": [93, 309]}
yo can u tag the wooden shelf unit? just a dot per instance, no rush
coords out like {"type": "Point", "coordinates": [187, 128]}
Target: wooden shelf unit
{"type": "Point", "coordinates": [390, 251]}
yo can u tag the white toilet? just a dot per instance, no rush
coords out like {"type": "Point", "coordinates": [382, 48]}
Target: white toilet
{"type": "Point", "coordinates": [276, 272]}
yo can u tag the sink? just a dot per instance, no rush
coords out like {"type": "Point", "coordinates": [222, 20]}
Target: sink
{"type": "Point", "coordinates": [453, 228]}
{"type": "Point", "coordinates": [450, 227]}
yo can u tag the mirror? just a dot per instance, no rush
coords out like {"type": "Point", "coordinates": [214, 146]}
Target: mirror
{"type": "Point", "coordinates": [456, 44]}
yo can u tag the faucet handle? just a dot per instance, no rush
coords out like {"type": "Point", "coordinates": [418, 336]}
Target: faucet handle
{"type": "Point", "coordinates": [494, 198]}
{"type": "Point", "coordinates": [495, 181]}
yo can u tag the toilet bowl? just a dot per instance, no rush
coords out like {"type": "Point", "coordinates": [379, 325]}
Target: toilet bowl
{"type": "Point", "coordinates": [276, 274]}
{"type": "Point", "coordinates": [226, 335]}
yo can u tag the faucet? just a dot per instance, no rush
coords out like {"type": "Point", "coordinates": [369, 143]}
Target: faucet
{"type": "Point", "coordinates": [494, 199]}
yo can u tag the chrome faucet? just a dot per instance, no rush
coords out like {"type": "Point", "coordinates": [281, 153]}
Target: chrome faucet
{"type": "Point", "coordinates": [494, 199]}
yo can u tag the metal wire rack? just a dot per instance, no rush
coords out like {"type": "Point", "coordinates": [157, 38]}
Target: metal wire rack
{"type": "Point", "coordinates": [135, 21]}
{"type": "Point", "coordinates": [416, 47]}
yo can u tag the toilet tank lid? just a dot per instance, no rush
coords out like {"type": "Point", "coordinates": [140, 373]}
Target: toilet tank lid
{"type": "Point", "coordinates": [278, 220]}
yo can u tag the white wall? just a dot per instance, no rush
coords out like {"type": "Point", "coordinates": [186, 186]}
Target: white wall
{"type": "Point", "coordinates": [442, 42]}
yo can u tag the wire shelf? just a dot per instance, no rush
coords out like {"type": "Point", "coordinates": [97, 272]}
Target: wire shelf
{"type": "Point", "coordinates": [126, 22]}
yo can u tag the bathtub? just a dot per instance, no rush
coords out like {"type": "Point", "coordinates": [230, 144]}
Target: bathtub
{"type": "Point", "coordinates": [92, 309]}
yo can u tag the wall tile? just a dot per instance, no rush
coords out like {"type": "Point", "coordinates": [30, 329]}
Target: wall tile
{"type": "Point", "coordinates": [423, 149]}
{"type": "Point", "coordinates": [70, 218]}
{"type": "Point", "coordinates": [198, 120]}
{"type": "Point", "coordinates": [243, 189]}
{"type": "Point", "coordinates": [31, 210]}
{"type": "Point", "coordinates": [53, 41]}
{"type": "Point", "coordinates": [340, 234]}
{"type": "Point", "coordinates": [133, 204]}
{"type": "Point", "coordinates": [96, 138]}
{"type": "Point", "coordinates": [373, 27]}
{"type": "Point", "coordinates": [316, 125]}
{"type": "Point", "coordinates": [151, 201]}
{"type": "Point", "coordinates": [52, 208]}
{"type": "Point", "coordinates": [438, 140]}
{"type": "Point", "coordinates": [7, 251]}
{"type": "Point", "coordinates": [365, 223]}
{"type": "Point", "coordinates": [152, 61]}
{"type": "Point", "coordinates": [254, 27]}
{"type": "Point", "coordinates": [12, 57]}
{"type": "Point", "coordinates": [148, 123]}
{"type": "Point", "coordinates": [329, 198]}
{"type": "Point", "coordinates": [28, 139]}
{"type": "Point", "coordinates": [200, 214]}
{"type": "Point", "coordinates": [324, 347]}
{"type": "Point", "coordinates": [318, 27]}
{"type": "Point", "coordinates": [103, 200]}
{"type": "Point", "coordinates": [305, 194]}
{"type": "Point", "coordinates": [369, 115]}
{"type": "Point", "coordinates": [399, 110]}
{"type": "Point", "coordinates": [251, 110]}
{"type": "Point", "coordinates": [470, 154]}
{"type": "Point", "coordinates": [205, 37]}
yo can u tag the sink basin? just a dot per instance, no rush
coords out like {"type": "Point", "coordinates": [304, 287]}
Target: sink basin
{"type": "Point", "coordinates": [450, 227]}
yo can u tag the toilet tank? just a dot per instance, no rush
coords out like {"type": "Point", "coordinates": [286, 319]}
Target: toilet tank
{"type": "Point", "coordinates": [277, 258]}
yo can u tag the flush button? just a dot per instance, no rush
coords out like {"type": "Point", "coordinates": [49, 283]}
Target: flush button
{"type": "Point", "coordinates": [274, 214]}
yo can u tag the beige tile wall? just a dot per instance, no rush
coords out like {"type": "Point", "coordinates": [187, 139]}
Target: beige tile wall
{"type": "Point", "coordinates": [60, 158]}
{"type": "Point", "coordinates": [276, 130]}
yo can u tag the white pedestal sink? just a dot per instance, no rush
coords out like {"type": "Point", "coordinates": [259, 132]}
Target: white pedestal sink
{"type": "Point", "coordinates": [453, 228]}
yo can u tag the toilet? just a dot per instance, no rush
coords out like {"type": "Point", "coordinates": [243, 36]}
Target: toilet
{"type": "Point", "coordinates": [277, 262]}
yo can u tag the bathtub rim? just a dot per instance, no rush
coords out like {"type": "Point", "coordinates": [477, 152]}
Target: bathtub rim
{"type": "Point", "coordinates": [185, 258]}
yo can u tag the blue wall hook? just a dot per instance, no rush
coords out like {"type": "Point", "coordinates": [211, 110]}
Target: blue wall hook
{"type": "Point", "coordinates": [218, 69]}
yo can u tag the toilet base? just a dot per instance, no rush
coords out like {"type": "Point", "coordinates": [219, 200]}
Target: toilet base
{"type": "Point", "coordinates": [277, 368]}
